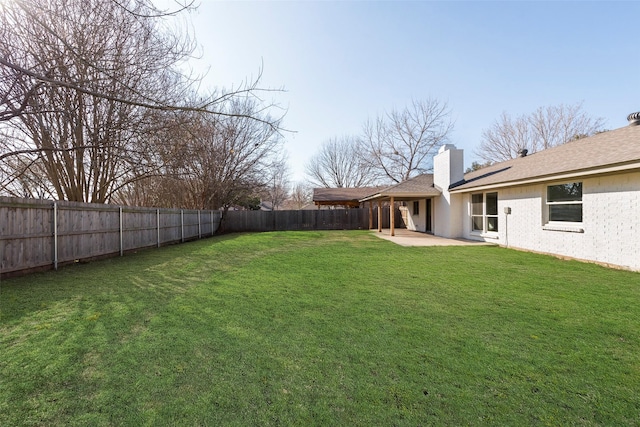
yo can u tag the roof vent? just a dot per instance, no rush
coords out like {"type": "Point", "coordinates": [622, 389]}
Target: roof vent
{"type": "Point", "coordinates": [523, 152]}
{"type": "Point", "coordinates": [634, 119]}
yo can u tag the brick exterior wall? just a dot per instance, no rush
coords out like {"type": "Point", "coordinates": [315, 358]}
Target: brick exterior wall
{"type": "Point", "coordinates": [609, 234]}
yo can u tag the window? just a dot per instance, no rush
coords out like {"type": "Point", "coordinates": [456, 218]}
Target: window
{"type": "Point", "coordinates": [476, 212]}
{"type": "Point", "coordinates": [491, 212]}
{"type": "Point", "coordinates": [416, 208]}
{"type": "Point", "coordinates": [564, 202]}
{"type": "Point", "coordinates": [484, 212]}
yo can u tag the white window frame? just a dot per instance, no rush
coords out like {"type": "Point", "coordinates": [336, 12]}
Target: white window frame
{"type": "Point", "coordinates": [565, 226]}
{"type": "Point", "coordinates": [475, 214]}
{"type": "Point", "coordinates": [487, 227]}
{"type": "Point", "coordinates": [576, 202]}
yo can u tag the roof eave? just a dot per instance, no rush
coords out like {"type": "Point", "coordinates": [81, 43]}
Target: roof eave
{"type": "Point", "coordinates": [399, 196]}
{"type": "Point", "coordinates": [372, 197]}
{"type": "Point", "coordinates": [612, 169]}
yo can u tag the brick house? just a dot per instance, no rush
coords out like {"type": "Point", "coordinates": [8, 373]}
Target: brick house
{"type": "Point", "coordinates": [578, 200]}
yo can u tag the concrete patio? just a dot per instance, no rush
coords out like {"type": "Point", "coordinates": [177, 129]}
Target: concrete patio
{"type": "Point", "coordinates": [404, 237]}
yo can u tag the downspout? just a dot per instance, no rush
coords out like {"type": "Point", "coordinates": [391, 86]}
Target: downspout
{"type": "Point", "coordinates": [507, 212]}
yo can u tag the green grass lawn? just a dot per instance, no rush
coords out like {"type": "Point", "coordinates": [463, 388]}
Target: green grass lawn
{"type": "Point", "coordinates": [321, 328]}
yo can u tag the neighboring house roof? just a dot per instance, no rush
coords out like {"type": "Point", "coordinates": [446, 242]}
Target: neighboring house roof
{"type": "Point", "coordinates": [418, 187]}
{"type": "Point", "coordinates": [266, 206]}
{"type": "Point", "coordinates": [611, 151]}
{"type": "Point", "coordinates": [341, 196]}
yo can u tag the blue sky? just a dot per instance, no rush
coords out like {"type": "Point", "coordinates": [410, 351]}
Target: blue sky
{"type": "Point", "coordinates": [343, 62]}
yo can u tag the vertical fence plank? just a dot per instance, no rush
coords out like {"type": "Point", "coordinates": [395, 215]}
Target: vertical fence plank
{"type": "Point", "coordinates": [158, 226]}
{"type": "Point", "coordinates": [121, 232]}
{"type": "Point", "coordinates": [55, 235]}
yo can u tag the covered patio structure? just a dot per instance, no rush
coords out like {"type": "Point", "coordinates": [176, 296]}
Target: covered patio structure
{"type": "Point", "coordinates": [341, 197]}
{"type": "Point", "coordinates": [415, 189]}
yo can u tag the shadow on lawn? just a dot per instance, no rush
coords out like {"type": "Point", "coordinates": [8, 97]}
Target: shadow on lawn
{"type": "Point", "coordinates": [150, 276]}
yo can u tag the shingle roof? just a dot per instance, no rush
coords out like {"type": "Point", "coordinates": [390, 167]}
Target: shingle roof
{"type": "Point", "coordinates": [620, 147]}
{"type": "Point", "coordinates": [417, 187]}
{"type": "Point", "coordinates": [342, 194]}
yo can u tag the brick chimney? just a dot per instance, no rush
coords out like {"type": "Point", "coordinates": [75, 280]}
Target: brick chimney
{"type": "Point", "coordinates": [448, 167]}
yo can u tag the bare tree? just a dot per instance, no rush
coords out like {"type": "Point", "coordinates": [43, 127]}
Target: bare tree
{"type": "Point", "coordinates": [214, 162]}
{"type": "Point", "coordinates": [84, 110]}
{"type": "Point", "coordinates": [475, 166]}
{"type": "Point", "coordinates": [545, 128]}
{"type": "Point", "coordinates": [225, 160]}
{"type": "Point", "coordinates": [301, 196]}
{"type": "Point", "coordinates": [245, 150]}
{"type": "Point", "coordinates": [170, 183]}
{"type": "Point", "coordinates": [21, 77]}
{"type": "Point", "coordinates": [84, 140]}
{"type": "Point", "coordinates": [277, 187]}
{"type": "Point", "coordinates": [22, 178]}
{"type": "Point", "coordinates": [338, 163]}
{"type": "Point", "coordinates": [401, 144]}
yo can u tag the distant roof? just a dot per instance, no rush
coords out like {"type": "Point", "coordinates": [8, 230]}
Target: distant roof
{"type": "Point", "coordinates": [609, 151]}
{"type": "Point", "coordinates": [418, 187]}
{"type": "Point", "coordinates": [341, 196]}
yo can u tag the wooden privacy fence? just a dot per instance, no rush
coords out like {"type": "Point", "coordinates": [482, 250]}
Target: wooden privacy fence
{"type": "Point", "coordinates": [317, 219]}
{"type": "Point", "coordinates": [42, 234]}
{"type": "Point", "coordinates": [37, 234]}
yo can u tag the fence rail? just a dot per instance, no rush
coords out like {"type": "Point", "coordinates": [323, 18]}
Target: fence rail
{"type": "Point", "coordinates": [40, 234]}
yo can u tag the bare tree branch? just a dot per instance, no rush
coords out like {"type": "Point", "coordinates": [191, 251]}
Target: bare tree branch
{"type": "Point", "coordinates": [203, 108]}
{"type": "Point", "coordinates": [159, 14]}
{"type": "Point", "coordinates": [544, 128]}
{"type": "Point", "coordinates": [86, 114]}
{"type": "Point", "coordinates": [401, 143]}
{"type": "Point", "coordinates": [338, 164]}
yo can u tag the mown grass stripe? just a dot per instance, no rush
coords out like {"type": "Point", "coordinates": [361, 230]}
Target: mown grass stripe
{"type": "Point", "coordinates": [321, 328]}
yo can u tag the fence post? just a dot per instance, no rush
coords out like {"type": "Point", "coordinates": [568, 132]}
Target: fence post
{"type": "Point", "coordinates": [212, 223]}
{"type": "Point", "coordinates": [121, 238]}
{"type": "Point", "coordinates": [199, 226]}
{"type": "Point", "coordinates": [55, 235]}
{"type": "Point", "coordinates": [182, 225]}
{"type": "Point", "coordinates": [158, 224]}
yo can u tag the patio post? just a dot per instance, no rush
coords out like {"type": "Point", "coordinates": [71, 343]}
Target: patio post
{"type": "Point", "coordinates": [392, 217]}
{"type": "Point", "coordinates": [379, 215]}
{"type": "Point", "coordinates": [370, 214]}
